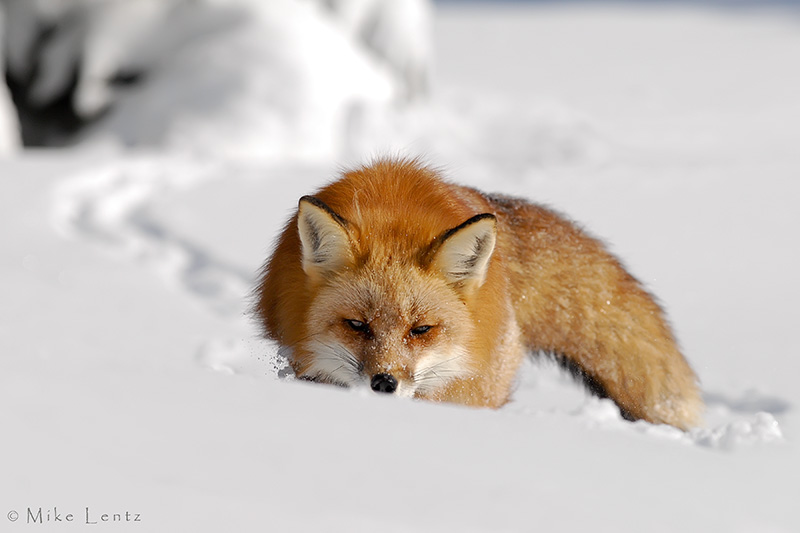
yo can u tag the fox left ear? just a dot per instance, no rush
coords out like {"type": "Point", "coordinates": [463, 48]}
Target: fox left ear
{"type": "Point", "coordinates": [324, 238]}
{"type": "Point", "coordinates": [464, 252]}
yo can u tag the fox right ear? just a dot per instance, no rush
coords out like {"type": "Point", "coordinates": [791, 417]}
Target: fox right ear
{"type": "Point", "coordinates": [324, 238]}
{"type": "Point", "coordinates": [463, 253]}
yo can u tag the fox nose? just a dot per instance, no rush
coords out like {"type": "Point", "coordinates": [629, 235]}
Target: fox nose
{"type": "Point", "coordinates": [383, 383]}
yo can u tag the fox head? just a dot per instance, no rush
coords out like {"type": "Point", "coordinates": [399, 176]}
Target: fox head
{"type": "Point", "coordinates": [389, 316]}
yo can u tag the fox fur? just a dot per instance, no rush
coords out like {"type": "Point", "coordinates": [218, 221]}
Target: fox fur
{"type": "Point", "coordinates": [394, 273]}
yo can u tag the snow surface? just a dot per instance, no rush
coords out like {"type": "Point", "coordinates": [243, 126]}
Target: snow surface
{"type": "Point", "coordinates": [132, 379]}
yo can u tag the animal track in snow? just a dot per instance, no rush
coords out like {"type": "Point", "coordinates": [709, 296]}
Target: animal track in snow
{"type": "Point", "coordinates": [109, 207]}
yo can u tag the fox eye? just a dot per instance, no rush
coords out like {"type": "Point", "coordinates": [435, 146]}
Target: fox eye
{"type": "Point", "coordinates": [356, 325]}
{"type": "Point", "coordinates": [420, 330]}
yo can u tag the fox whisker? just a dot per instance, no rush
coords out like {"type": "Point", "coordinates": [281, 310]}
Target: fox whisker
{"type": "Point", "coordinates": [333, 363]}
{"type": "Point", "coordinates": [285, 351]}
{"type": "Point", "coordinates": [438, 366]}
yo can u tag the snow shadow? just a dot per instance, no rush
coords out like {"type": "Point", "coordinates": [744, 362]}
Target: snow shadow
{"type": "Point", "coordinates": [750, 401]}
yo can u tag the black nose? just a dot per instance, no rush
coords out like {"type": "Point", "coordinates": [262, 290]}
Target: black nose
{"type": "Point", "coordinates": [383, 383]}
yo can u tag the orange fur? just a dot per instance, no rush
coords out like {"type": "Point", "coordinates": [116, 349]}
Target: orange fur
{"type": "Point", "coordinates": [386, 249]}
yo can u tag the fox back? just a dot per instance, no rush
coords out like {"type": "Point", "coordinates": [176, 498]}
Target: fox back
{"type": "Point", "coordinates": [394, 278]}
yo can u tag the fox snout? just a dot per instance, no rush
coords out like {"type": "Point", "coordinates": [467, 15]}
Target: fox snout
{"type": "Point", "coordinates": [383, 383]}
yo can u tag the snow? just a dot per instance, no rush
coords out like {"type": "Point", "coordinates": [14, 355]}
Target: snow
{"type": "Point", "coordinates": [133, 380]}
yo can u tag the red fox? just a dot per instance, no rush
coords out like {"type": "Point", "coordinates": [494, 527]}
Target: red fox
{"type": "Point", "coordinates": [394, 278]}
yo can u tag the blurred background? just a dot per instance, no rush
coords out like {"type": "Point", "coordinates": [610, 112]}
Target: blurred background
{"type": "Point", "coordinates": [242, 77]}
{"type": "Point", "coordinates": [281, 79]}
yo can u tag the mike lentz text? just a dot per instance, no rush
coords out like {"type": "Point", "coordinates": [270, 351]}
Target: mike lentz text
{"type": "Point", "coordinates": [87, 516]}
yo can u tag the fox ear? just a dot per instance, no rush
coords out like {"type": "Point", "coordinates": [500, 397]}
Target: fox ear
{"type": "Point", "coordinates": [324, 238]}
{"type": "Point", "coordinates": [464, 252]}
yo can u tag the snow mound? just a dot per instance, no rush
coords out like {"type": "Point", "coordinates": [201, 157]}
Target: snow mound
{"type": "Point", "coordinates": [397, 31]}
{"type": "Point", "coordinates": [9, 126]}
{"type": "Point", "coordinates": [759, 428]}
{"type": "Point", "coordinates": [244, 78]}
{"type": "Point", "coordinates": [267, 80]}
{"type": "Point", "coordinates": [544, 389]}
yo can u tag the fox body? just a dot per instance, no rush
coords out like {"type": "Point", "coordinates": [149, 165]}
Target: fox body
{"type": "Point", "coordinates": [395, 278]}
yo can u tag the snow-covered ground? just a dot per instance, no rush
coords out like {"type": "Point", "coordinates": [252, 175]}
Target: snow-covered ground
{"type": "Point", "coordinates": [132, 380]}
